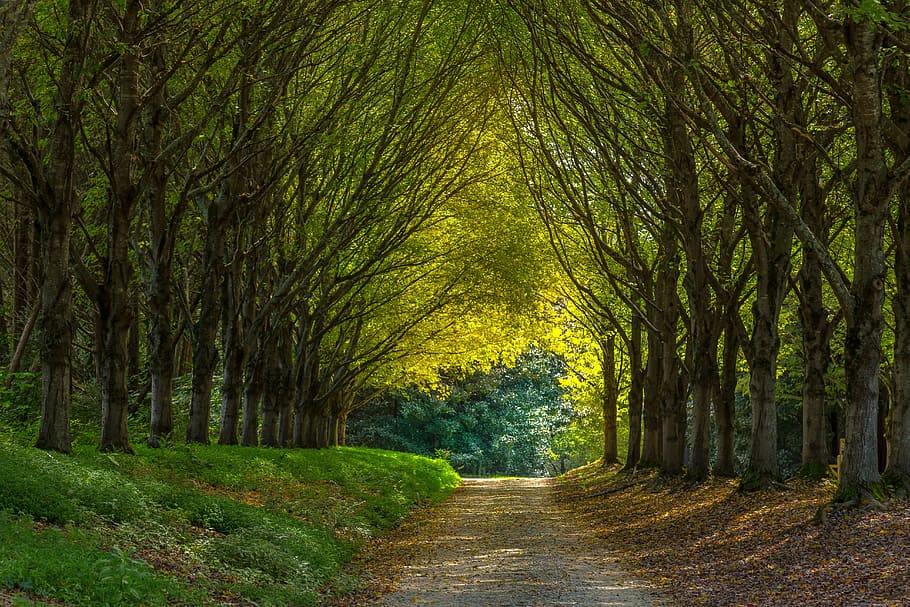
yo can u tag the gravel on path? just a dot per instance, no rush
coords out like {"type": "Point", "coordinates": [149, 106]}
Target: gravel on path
{"type": "Point", "coordinates": [497, 543]}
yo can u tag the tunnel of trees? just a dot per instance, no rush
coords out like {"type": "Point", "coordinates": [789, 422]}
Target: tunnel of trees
{"type": "Point", "coordinates": [244, 221]}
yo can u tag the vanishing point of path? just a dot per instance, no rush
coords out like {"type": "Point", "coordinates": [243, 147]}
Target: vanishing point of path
{"type": "Point", "coordinates": [498, 543]}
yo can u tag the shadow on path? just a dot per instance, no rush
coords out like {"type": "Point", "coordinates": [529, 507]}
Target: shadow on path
{"type": "Point", "coordinates": [502, 542]}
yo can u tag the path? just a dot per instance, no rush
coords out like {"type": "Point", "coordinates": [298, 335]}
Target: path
{"type": "Point", "coordinates": [501, 542]}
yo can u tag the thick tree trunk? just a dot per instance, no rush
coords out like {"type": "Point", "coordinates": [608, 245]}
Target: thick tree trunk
{"type": "Point", "coordinates": [56, 324]}
{"type": "Point", "coordinates": [55, 201]}
{"type": "Point", "coordinates": [898, 467]}
{"type": "Point", "coordinates": [115, 323]}
{"type": "Point", "coordinates": [763, 462]}
{"type": "Point", "coordinates": [898, 453]}
{"type": "Point", "coordinates": [115, 293]}
{"type": "Point", "coordinates": [160, 352]}
{"type": "Point", "coordinates": [205, 330]}
{"type": "Point", "coordinates": [860, 476]}
{"type": "Point", "coordinates": [816, 352]}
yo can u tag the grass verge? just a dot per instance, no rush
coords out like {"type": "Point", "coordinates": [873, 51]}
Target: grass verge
{"type": "Point", "coordinates": [197, 525]}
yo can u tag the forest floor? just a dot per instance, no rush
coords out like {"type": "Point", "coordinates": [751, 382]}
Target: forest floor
{"type": "Point", "coordinates": [495, 542]}
{"type": "Point", "coordinates": [601, 537]}
{"type": "Point", "coordinates": [709, 544]}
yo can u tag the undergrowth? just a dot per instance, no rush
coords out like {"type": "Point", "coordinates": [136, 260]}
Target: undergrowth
{"type": "Point", "coordinates": [198, 525]}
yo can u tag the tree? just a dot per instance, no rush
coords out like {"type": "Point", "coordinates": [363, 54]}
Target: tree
{"type": "Point", "coordinates": [42, 152]}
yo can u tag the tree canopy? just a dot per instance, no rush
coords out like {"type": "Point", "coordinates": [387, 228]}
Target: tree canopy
{"type": "Point", "coordinates": [692, 217]}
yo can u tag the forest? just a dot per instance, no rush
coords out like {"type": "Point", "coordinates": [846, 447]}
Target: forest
{"type": "Point", "coordinates": [244, 222]}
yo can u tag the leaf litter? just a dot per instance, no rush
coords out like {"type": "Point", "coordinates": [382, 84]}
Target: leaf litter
{"type": "Point", "coordinates": [710, 545]}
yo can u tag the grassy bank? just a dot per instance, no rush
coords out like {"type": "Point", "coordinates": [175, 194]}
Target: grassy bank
{"type": "Point", "coordinates": [197, 525]}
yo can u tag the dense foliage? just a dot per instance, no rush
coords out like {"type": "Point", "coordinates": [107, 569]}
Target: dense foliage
{"type": "Point", "coordinates": [509, 420]}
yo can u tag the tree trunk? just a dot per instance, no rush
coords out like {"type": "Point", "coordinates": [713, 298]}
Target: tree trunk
{"type": "Point", "coordinates": [55, 202]}
{"type": "Point", "coordinates": [898, 468]}
{"type": "Point", "coordinates": [206, 329]}
{"type": "Point", "coordinates": [651, 440]}
{"type": "Point", "coordinates": [271, 397]}
{"type": "Point", "coordinates": [610, 398]}
{"type": "Point", "coordinates": [673, 402]}
{"type": "Point", "coordinates": [286, 396]}
{"type": "Point", "coordinates": [56, 322]}
{"type": "Point", "coordinates": [252, 397]}
{"type": "Point", "coordinates": [816, 352]}
{"type": "Point", "coordinates": [859, 476]}
{"type": "Point", "coordinates": [160, 348]}
{"type": "Point", "coordinates": [115, 293]}
{"type": "Point", "coordinates": [684, 198]}
{"type": "Point", "coordinates": [235, 355]}
{"type": "Point", "coordinates": [725, 404]}
{"type": "Point", "coordinates": [633, 452]}
{"type": "Point", "coordinates": [898, 453]}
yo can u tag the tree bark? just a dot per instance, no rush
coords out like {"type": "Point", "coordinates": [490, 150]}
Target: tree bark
{"type": "Point", "coordinates": [236, 353]}
{"type": "Point", "coordinates": [252, 397]}
{"type": "Point", "coordinates": [286, 395]}
{"type": "Point", "coordinates": [636, 387]}
{"type": "Point", "coordinates": [897, 76]}
{"type": "Point", "coordinates": [672, 397]}
{"type": "Point", "coordinates": [871, 194]}
{"type": "Point", "coordinates": [271, 397]}
{"type": "Point", "coordinates": [816, 338]}
{"type": "Point", "coordinates": [725, 403]}
{"type": "Point", "coordinates": [205, 329]}
{"type": "Point", "coordinates": [610, 397]}
{"type": "Point", "coordinates": [651, 440]}
{"type": "Point", "coordinates": [55, 205]}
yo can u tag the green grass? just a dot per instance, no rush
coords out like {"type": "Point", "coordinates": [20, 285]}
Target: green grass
{"type": "Point", "coordinates": [198, 525]}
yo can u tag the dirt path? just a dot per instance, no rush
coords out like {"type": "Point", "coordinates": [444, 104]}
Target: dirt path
{"type": "Point", "coordinates": [500, 542]}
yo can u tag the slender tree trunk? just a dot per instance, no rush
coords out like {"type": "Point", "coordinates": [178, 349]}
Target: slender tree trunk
{"type": "Point", "coordinates": [725, 404]}
{"type": "Point", "coordinates": [286, 397]}
{"type": "Point", "coordinates": [673, 403]}
{"type": "Point", "coordinates": [22, 267]}
{"type": "Point", "coordinates": [114, 294]}
{"type": "Point", "coordinates": [134, 356]}
{"type": "Point", "coordinates": [898, 468]}
{"type": "Point", "coordinates": [233, 341]}
{"type": "Point", "coordinates": [271, 398]}
{"type": "Point", "coordinates": [252, 398]}
{"type": "Point", "coordinates": [14, 19]}
{"type": "Point", "coordinates": [610, 397]}
{"type": "Point", "coordinates": [652, 441]}
{"type": "Point", "coordinates": [633, 453]}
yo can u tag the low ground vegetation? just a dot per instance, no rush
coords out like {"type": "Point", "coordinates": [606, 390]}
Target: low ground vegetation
{"type": "Point", "coordinates": [197, 525]}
